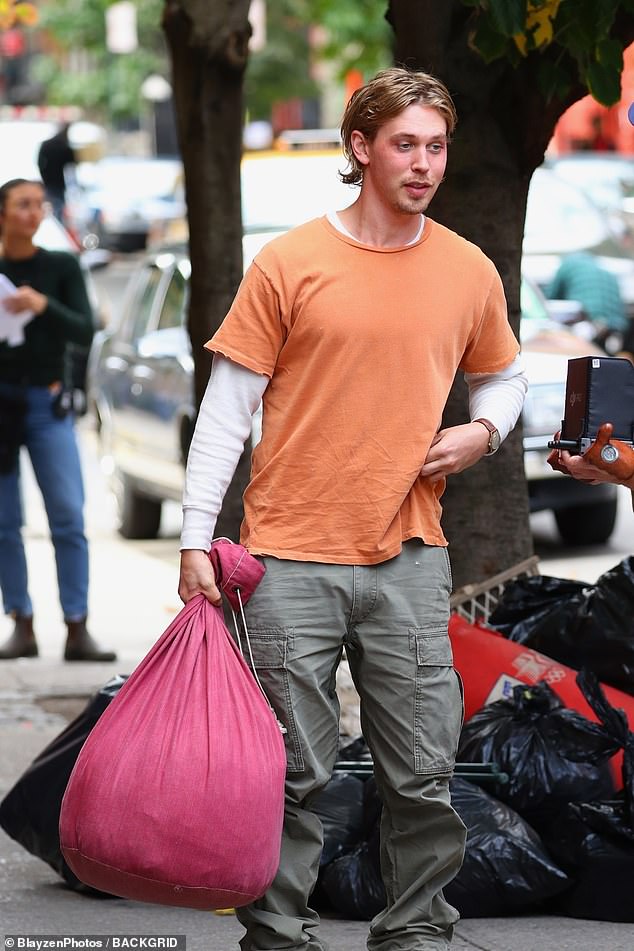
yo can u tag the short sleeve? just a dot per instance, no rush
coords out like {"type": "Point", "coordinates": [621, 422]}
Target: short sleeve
{"type": "Point", "coordinates": [493, 345]}
{"type": "Point", "coordinates": [253, 332]}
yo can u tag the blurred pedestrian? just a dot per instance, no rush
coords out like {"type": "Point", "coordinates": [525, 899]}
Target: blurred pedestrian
{"type": "Point", "coordinates": [47, 290]}
{"type": "Point", "coordinates": [581, 277]}
{"type": "Point", "coordinates": [350, 328]}
{"type": "Point", "coordinates": [54, 157]}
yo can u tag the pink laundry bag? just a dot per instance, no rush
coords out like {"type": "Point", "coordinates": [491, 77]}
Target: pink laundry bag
{"type": "Point", "coordinates": [177, 796]}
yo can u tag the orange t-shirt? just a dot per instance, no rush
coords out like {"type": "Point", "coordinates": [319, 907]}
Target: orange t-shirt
{"type": "Point", "coordinates": [361, 345]}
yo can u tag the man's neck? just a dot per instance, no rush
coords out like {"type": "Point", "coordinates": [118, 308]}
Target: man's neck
{"type": "Point", "coordinates": [380, 230]}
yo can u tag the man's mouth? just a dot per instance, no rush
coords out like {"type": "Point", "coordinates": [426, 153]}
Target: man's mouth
{"type": "Point", "coordinates": [417, 188]}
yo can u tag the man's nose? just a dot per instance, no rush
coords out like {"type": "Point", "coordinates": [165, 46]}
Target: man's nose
{"type": "Point", "coordinates": [420, 158]}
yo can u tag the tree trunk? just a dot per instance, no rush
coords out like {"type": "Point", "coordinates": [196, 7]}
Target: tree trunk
{"type": "Point", "coordinates": [208, 44]}
{"type": "Point", "coordinates": [503, 130]}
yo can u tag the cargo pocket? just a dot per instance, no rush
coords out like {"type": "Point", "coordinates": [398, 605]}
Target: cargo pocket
{"type": "Point", "coordinates": [270, 649]}
{"type": "Point", "coordinates": [438, 706]}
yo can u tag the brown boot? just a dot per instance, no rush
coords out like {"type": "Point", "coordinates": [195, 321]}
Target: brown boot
{"type": "Point", "coordinates": [22, 642]}
{"type": "Point", "coordinates": [81, 646]}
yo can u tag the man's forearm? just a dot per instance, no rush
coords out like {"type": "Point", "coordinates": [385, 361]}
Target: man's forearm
{"type": "Point", "coordinates": [498, 396]}
{"type": "Point", "coordinates": [223, 426]}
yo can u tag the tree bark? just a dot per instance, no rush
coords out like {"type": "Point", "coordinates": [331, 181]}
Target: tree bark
{"type": "Point", "coordinates": [504, 127]}
{"type": "Point", "coordinates": [208, 44]}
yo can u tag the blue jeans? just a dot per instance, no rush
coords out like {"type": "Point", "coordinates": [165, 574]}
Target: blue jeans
{"type": "Point", "coordinates": [52, 447]}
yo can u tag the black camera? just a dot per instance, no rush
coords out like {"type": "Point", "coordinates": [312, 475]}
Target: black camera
{"type": "Point", "coordinates": [598, 390]}
{"type": "Point", "coordinates": [62, 403]}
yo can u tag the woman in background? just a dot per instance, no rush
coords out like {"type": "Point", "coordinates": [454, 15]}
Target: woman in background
{"type": "Point", "coordinates": [47, 299]}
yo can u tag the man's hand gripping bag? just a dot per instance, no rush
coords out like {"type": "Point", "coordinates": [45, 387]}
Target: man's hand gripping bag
{"type": "Point", "coordinates": [177, 796]}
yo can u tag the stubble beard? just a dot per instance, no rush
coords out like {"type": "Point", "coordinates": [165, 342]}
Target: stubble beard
{"type": "Point", "coordinates": [412, 206]}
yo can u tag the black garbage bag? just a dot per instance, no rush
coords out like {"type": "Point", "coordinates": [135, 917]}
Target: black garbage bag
{"type": "Point", "coordinates": [582, 626]}
{"type": "Point", "coordinates": [340, 807]}
{"type": "Point", "coordinates": [527, 603]}
{"type": "Point", "coordinates": [550, 754]}
{"type": "Point", "coordinates": [29, 812]}
{"type": "Point", "coordinates": [506, 867]}
{"type": "Point", "coordinates": [594, 841]}
{"type": "Point", "coordinates": [353, 882]}
{"type": "Point", "coordinates": [356, 750]}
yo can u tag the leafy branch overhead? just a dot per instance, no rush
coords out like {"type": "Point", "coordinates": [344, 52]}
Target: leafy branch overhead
{"type": "Point", "coordinates": [14, 13]}
{"type": "Point", "coordinates": [579, 40]}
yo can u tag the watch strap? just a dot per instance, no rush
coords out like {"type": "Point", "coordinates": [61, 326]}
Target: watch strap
{"type": "Point", "coordinates": [494, 443]}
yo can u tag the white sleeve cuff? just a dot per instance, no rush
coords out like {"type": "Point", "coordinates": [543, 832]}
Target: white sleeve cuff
{"type": "Point", "coordinates": [499, 396]}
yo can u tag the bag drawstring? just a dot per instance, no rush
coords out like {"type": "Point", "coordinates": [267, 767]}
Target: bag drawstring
{"type": "Point", "coordinates": [252, 663]}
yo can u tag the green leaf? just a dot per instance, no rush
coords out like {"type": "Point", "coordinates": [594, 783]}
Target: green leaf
{"type": "Point", "coordinates": [609, 53]}
{"type": "Point", "coordinates": [576, 26]}
{"type": "Point", "coordinates": [553, 79]}
{"type": "Point", "coordinates": [509, 15]}
{"type": "Point", "coordinates": [605, 13]}
{"type": "Point", "coordinates": [487, 41]}
{"type": "Point", "coordinates": [604, 83]}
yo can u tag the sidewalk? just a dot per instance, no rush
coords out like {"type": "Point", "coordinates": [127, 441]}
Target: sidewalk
{"type": "Point", "coordinates": [133, 599]}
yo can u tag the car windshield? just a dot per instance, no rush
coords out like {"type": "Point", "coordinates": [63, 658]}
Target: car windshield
{"type": "Point", "coordinates": [283, 190]}
{"type": "Point", "coordinates": [21, 142]}
{"type": "Point", "coordinates": [559, 218]}
{"type": "Point", "coordinates": [607, 180]}
{"type": "Point", "coordinates": [142, 179]}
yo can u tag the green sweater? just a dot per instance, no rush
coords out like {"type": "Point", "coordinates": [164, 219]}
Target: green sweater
{"type": "Point", "coordinates": [40, 360]}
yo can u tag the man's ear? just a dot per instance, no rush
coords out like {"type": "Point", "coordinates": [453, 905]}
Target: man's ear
{"type": "Point", "coordinates": [359, 147]}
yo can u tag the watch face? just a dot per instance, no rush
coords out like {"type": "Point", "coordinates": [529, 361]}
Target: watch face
{"type": "Point", "coordinates": [494, 441]}
{"type": "Point", "coordinates": [609, 453]}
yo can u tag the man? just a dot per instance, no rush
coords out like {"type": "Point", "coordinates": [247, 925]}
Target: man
{"type": "Point", "coordinates": [54, 156]}
{"type": "Point", "coordinates": [350, 329]}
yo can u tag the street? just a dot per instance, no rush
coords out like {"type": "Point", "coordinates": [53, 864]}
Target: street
{"type": "Point", "coordinates": [132, 600]}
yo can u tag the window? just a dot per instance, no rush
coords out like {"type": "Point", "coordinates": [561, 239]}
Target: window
{"type": "Point", "coordinates": [173, 309]}
{"type": "Point", "coordinates": [140, 308]}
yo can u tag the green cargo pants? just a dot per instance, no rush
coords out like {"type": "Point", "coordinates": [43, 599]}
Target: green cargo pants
{"type": "Point", "coordinates": [392, 620]}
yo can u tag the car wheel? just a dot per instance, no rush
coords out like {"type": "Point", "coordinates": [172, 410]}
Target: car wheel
{"type": "Point", "coordinates": [139, 515]}
{"type": "Point", "coordinates": [587, 524]}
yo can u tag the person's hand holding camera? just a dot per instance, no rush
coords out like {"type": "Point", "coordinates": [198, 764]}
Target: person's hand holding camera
{"type": "Point", "coordinates": [605, 460]}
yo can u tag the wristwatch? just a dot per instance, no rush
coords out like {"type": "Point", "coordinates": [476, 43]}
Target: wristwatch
{"type": "Point", "coordinates": [494, 436]}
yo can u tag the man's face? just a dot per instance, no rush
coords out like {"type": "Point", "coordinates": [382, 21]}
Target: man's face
{"type": "Point", "coordinates": [405, 163]}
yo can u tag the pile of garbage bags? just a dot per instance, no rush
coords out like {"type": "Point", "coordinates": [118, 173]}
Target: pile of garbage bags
{"type": "Point", "coordinates": [580, 625]}
{"type": "Point", "coordinates": [552, 829]}
{"type": "Point", "coordinates": [549, 833]}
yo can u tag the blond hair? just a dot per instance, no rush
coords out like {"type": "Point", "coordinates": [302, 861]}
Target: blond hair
{"type": "Point", "coordinates": [379, 100]}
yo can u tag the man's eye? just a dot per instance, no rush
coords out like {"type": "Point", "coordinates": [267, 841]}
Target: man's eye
{"type": "Point", "coordinates": [436, 147]}
{"type": "Point", "coordinates": [404, 146]}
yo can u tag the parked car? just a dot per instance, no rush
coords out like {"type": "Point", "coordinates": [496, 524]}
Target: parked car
{"type": "Point", "coordinates": [561, 219]}
{"type": "Point", "coordinates": [140, 390]}
{"type": "Point", "coordinates": [118, 202]}
{"type": "Point", "coordinates": [608, 180]}
{"type": "Point", "coordinates": [282, 189]}
{"type": "Point", "coordinates": [21, 140]}
{"type": "Point", "coordinates": [584, 514]}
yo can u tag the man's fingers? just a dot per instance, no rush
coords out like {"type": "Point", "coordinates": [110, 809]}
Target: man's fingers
{"type": "Point", "coordinates": [604, 435]}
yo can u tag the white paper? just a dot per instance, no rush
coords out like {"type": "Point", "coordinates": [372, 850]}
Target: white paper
{"type": "Point", "coordinates": [12, 325]}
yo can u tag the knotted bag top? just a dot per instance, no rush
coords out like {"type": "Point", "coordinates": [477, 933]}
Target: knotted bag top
{"type": "Point", "coordinates": [235, 570]}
